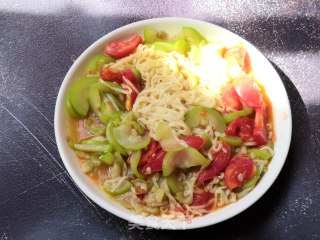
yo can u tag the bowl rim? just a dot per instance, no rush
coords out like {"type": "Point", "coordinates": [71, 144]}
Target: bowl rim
{"type": "Point", "coordinates": [159, 223]}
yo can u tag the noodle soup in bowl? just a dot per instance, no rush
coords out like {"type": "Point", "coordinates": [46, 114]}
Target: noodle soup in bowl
{"type": "Point", "coordinates": [153, 195]}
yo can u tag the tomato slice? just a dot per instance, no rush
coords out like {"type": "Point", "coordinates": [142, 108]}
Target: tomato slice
{"type": "Point", "coordinates": [201, 198]}
{"type": "Point", "coordinates": [238, 170]}
{"type": "Point", "coordinates": [260, 133]}
{"type": "Point", "coordinates": [153, 148]}
{"type": "Point", "coordinates": [111, 74]}
{"type": "Point", "coordinates": [154, 163]}
{"type": "Point", "coordinates": [248, 91]}
{"type": "Point", "coordinates": [195, 142]}
{"type": "Point", "coordinates": [241, 127]}
{"type": "Point", "coordinates": [230, 98]}
{"type": "Point", "coordinates": [218, 164]}
{"type": "Point", "coordinates": [120, 49]}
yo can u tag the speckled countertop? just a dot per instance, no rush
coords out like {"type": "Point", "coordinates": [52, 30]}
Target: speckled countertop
{"type": "Point", "coordinates": [39, 41]}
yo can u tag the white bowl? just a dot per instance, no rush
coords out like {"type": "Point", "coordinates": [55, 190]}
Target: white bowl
{"type": "Point", "coordinates": [264, 73]}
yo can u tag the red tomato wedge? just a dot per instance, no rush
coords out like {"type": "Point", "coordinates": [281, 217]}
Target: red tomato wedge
{"type": "Point", "coordinates": [260, 133]}
{"type": "Point", "coordinates": [201, 198]}
{"type": "Point", "coordinates": [155, 163]}
{"type": "Point", "coordinates": [195, 142]}
{"type": "Point", "coordinates": [238, 170]}
{"type": "Point", "coordinates": [120, 49]}
{"type": "Point", "coordinates": [218, 164]}
{"type": "Point", "coordinates": [230, 98]}
{"type": "Point", "coordinates": [153, 148]}
{"type": "Point", "coordinates": [111, 74]}
{"type": "Point", "coordinates": [248, 91]}
{"type": "Point", "coordinates": [241, 127]}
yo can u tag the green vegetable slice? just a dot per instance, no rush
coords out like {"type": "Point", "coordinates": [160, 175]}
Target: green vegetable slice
{"type": "Point", "coordinates": [108, 158]}
{"type": "Point", "coordinates": [78, 95]}
{"type": "Point", "coordinates": [165, 136]}
{"type": "Point", "coordinates": [183, 158]}
{"type": "Point", "coordinates": [124, 187]}
{"type": "Point", "coordinates": [112, 139]}
{"type": "Point", "coordinates": [252, 182]}
{"type": "Point", "coordinates": [260, 153]}
{"type": "Point", "coordinates": [93, 148]}
{"type": "Point", "coordinates": [232, 140]}
{"type": "Point", "coordinates": [200, 116]}
{"type": "Point", "coordinates": [174, 184]}
{"type": "Point", "coordinates": [127, 137]}
{"type": "Point", "coordinates": [182, 47]}
{"type": "Point", "coordinates": [151, 35]}
{"type": "Point", "coordinates": [193, 36]}
{"type": "Point", "coordinates": [96, 64]}
{"type": "Point", "coordinates": [242, 113]}
{"type": "Point", "coordinates": [134, 161]}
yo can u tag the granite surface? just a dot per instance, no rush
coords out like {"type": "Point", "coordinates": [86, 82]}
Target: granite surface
{"type": "Point", "coordinates": [39, 41]}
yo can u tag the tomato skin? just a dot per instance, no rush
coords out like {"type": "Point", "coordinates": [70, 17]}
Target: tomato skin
{"type": "Point", "coordinates": [120, 49]}
{"type": "Point", "coordinates": [248, 91]}
{"type": "Point", "coordinates": [238, 170]}
{"type": "Point", "coordinates": [201, 198]}
{"type": "Point", "coordinates": [230, 98]}
{"type": "Point", "coordinates": [218, 164]}
{"type": "Point", "coordinates": [111, 74]}
{"type": "Point", "coordinates": [195, 142]}
{"type": "Point", "coordinates": [241, 127]}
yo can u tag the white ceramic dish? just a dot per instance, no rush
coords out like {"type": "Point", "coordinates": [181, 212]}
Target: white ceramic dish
{"type": "Point", "coordinates": [264, 73]}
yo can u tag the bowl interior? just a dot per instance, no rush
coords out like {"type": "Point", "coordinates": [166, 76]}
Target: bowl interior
{"type": "Point", "coordinates": [264, 73]}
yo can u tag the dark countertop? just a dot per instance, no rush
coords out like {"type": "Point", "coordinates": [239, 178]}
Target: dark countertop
{"type": "Point", "coordinates": [39, 41]}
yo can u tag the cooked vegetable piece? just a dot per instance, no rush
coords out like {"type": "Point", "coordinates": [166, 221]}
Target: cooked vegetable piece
{"type": "Point", "coordinates": [260, 153]}
{"type": "Point", "coordinates": [201, 198]}
{"type": "Point", "coordinates": [174, 184]}
{"type": "Point", "coordinates": [183, 158]}
{"type": "Point", "coordinates": [128, 137]}
{"type": "Point", "coordinates": [120, 49]}
{"type": "Point", "coordinates": [95, 100]}
{"type": "Point", "coordinates": [182, 47]}
{"type": "Point", "coordinates": [230, 98]}
{"type": "Point", "coordinates": [232, 140]}
{"type": "Point", "coordinates": [70, 109]}
{"type": "Point", "coordinates": [93, 148]}
{"type": "Point", "coordinates": [238, 170]}
{"type": "Point", "coordinates": [241, 127]}
{"type": "Point", "coordinates": [110, 188]}
{"type": "Point", "coordinates": [253, 181]}
{"type": "Point", "coordinates": [166, 138]}
{"type": "Point", "coordinates": [220, 160]}
{"type": "Point", "coordinates": [200, 116]}
{"type": "Point", "coordinates": [112, 139]}
{"type": "Point", "coordinates": [164, 46]}
{"type": "Point", "coordinates": [134, 162]}
{"type": "Point", "coordinates": [78, 95]}
{"type": "Point", "coordinates": [195, 142]}
{"type": "Point", "coordinates": [108, 158]}
{"type": "Point", "coordinates": [97, 63]}
{"type": "Point", "coordinates": [151, 35]}
{"type": "Point", "coordinates": [193, 36]}
{"type": "Point", "coordinates": [229, 117]}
